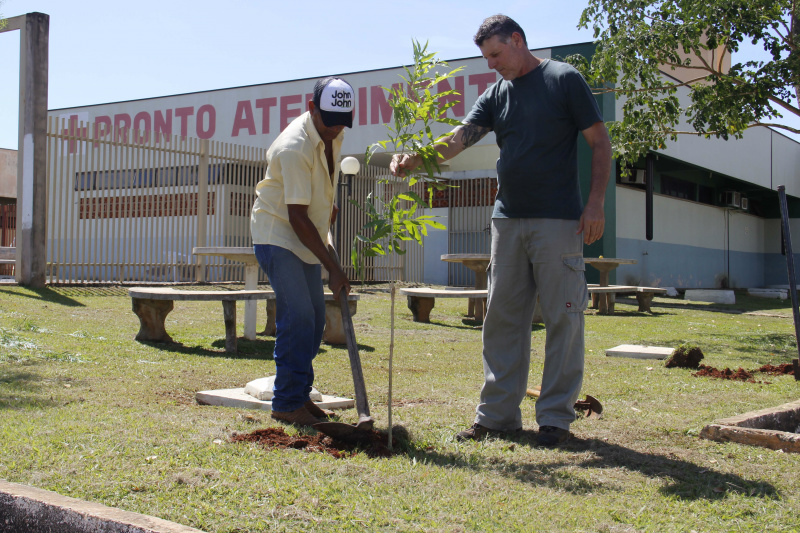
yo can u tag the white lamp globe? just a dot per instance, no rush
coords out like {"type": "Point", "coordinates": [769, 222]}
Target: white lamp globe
{"type": "Point", "coordinates": [350, 166]}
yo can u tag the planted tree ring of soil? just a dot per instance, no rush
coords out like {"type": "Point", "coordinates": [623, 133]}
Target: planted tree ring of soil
{"type": "Point", "coordinates": [373, 443]}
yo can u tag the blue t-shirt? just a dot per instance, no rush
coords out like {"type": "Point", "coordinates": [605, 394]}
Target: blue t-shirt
{"type": "Point", "coordinates": [536, 119]}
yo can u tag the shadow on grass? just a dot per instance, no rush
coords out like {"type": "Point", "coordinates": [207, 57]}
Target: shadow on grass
{"type": "Point", "coordinates": [472, 324]}
{"type": "Point", "coordinates": [361, 347]}
{"type": "Point", "coordinates": [684, 480]}
{"type": "Point", "coordinates": [743, 305]}
{"type": "Point", "coordinates": [45, 294]}
{"type": "Point", "coordinates": [246, 349]}
{"type": "Point", "coordinates": [19, 390]}
{"type": "Point", "coordinates": [625, 313]}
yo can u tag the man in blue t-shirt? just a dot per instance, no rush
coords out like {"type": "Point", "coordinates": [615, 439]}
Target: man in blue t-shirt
{"type": "Point", "coordinates": [539, 225]}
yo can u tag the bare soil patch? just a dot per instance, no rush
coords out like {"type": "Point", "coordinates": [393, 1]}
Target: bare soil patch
{"type": "Point", "coordinates": [374, 443]}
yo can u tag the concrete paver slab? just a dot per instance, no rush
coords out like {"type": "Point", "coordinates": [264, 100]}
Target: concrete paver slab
{"type": "Point", "coordinates": [637, 351]}
{"type": "Point", "coordinates": [238, 398]}
{"type": "Point", "coordinates": [708, 295]}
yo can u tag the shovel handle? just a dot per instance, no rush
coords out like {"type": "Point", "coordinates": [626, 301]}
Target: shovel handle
{"type": "Point", "coordinates": [362, 405]}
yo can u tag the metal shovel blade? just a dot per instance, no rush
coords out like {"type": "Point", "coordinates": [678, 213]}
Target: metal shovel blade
{"type": "Point", "coordinates": [361, 432]}
{"type": "Point", "coordinates": [592, 406]}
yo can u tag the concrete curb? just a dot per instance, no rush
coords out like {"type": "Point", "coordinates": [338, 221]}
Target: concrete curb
{"type": "Point", "coordinates": [24, 509]}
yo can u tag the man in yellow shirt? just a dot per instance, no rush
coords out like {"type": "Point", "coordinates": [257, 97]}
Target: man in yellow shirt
{"type": "Point", "coordinates": [292, 214]}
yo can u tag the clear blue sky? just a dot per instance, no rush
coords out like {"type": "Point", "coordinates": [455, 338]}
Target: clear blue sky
{"type": "Point", "coordinates": [107, 51]}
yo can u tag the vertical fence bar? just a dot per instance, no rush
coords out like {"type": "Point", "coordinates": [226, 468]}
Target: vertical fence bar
{"type": "Point", "coordinates": [53, 199]}
{"type": "Point", "coordinates": [202, 205]}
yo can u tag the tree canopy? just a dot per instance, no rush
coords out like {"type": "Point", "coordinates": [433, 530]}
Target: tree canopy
{"type": "Point", "coordinates": [692, 42]}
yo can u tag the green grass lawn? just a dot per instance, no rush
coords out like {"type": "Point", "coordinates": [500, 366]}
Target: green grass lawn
{"type": "Point", "coordinates": [90, 413]}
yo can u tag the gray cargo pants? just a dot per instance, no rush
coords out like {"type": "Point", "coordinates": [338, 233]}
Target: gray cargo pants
{"type": "Point", "coordinates": [530, 255]}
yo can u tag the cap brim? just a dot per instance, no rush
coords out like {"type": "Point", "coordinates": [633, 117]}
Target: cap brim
{"type": "Point", "coordinates": [337, 119]}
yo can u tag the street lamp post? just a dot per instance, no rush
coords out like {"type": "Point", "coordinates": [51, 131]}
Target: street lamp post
{"type": "Point", "coordinates": [350, 167]}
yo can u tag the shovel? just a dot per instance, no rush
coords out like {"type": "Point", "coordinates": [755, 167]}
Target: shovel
{"type": "Point", "coordinates": [363, 429]}
{"type": "Point", "coordinates": [592, 406]}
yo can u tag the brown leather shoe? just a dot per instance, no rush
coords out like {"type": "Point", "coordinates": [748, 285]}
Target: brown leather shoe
{"type": "Point", "coordinates": [298, 417]}
{"type": "Point", "coordinates": [317, 411]}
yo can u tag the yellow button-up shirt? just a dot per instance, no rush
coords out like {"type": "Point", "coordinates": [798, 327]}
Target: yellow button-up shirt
{"type": "Point", "coordinates": [297, 173]}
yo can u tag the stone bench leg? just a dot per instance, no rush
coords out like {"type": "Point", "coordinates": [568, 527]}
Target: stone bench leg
{"type": "Point", "coordinates": [152, 314]}
{"type": "Point", "coordinates": [229, 313]}
{"type": "Point", "coordinates": [421, 308]}
{"type": "Point", "coordinates": [477, 308]}
{"type": "Point", "coordinates": [644, 299]}
{"type": "Point", "coordinates": [604, 302]}
{"type": "Point", "coordinates": [334, 328]}
{"type": "Point", "coordinates": [480, 309]}
{"type": "Point", "coordinates": [537, 311]}
{"type": "Point", "coordinates": [270, 328]}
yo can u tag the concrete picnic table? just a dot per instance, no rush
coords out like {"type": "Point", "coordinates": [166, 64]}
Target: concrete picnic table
{"type": "Point", "coordinates": [246, 255]}
{"type": "Point", "coordinates": [605, 301]}
{"type": "Point", "coordinates": [478, 263]}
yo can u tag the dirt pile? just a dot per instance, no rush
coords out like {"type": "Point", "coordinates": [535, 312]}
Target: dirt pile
{"type": "Point", "coordinates": [685, 357]}
{"type": "Point", "coordinates": [745, 375]}
{"type": "Point", "coordinates": [738, 375]}
{"type": "Point", "coordinates": [374, 444]}
{"type": "Point", "coordinates": [784, 369]}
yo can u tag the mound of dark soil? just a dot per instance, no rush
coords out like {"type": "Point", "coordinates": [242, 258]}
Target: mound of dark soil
{"type": "Point", "coordinates": [784, 369]}
{"type": "Point", "coordinates": [739, 375]}
{"type": "Point", "coordinates": [373, 443]}
{"type": "Point", "coordinates": [685, 357]}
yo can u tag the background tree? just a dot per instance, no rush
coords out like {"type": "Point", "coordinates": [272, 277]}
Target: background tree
{"type": "Point", "coordinates": [3, 21]}
{"type": "Point", "coordinates": [637, 40]}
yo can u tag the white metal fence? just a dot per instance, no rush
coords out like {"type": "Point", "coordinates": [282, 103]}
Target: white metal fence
{"type": "Point", "coordinates": [469, 204]}
{"type": "Point", "coordinates": [125, 206]}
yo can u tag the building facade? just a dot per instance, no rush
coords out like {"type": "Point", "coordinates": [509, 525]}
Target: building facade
{"type": "Point", "coordinates": [716, 221]}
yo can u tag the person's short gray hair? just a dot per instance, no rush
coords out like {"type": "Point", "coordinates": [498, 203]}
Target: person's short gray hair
{"type": "Point", "coordinates": [501, 26]}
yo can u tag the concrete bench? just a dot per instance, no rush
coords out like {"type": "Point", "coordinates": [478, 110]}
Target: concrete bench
{"type": "Point", "coordinates": [421, 300]}
{"type": "Point", "coordinates": [153, 304]}
{"type": "Point", "coordinates": [334, 329]}
{"type": "Point", "coordinates": [8, 255]}
{"type": "Point", "coordinates": [603, 297]}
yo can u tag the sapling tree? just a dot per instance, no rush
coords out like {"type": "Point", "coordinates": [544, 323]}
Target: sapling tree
{"type": "Point", "coordinates": [417, 107]}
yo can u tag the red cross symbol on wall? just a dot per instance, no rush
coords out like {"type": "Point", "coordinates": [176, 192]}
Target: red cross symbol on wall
{"type": "Point", "coordinates": [74, 133]}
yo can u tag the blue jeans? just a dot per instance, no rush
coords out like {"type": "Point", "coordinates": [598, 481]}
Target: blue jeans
{"type": "Point", "coordinates": [300, 321]}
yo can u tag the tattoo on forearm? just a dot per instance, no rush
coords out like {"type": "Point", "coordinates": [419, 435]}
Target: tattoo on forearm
{"type": "Point", "coordinates": [470, 134]}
